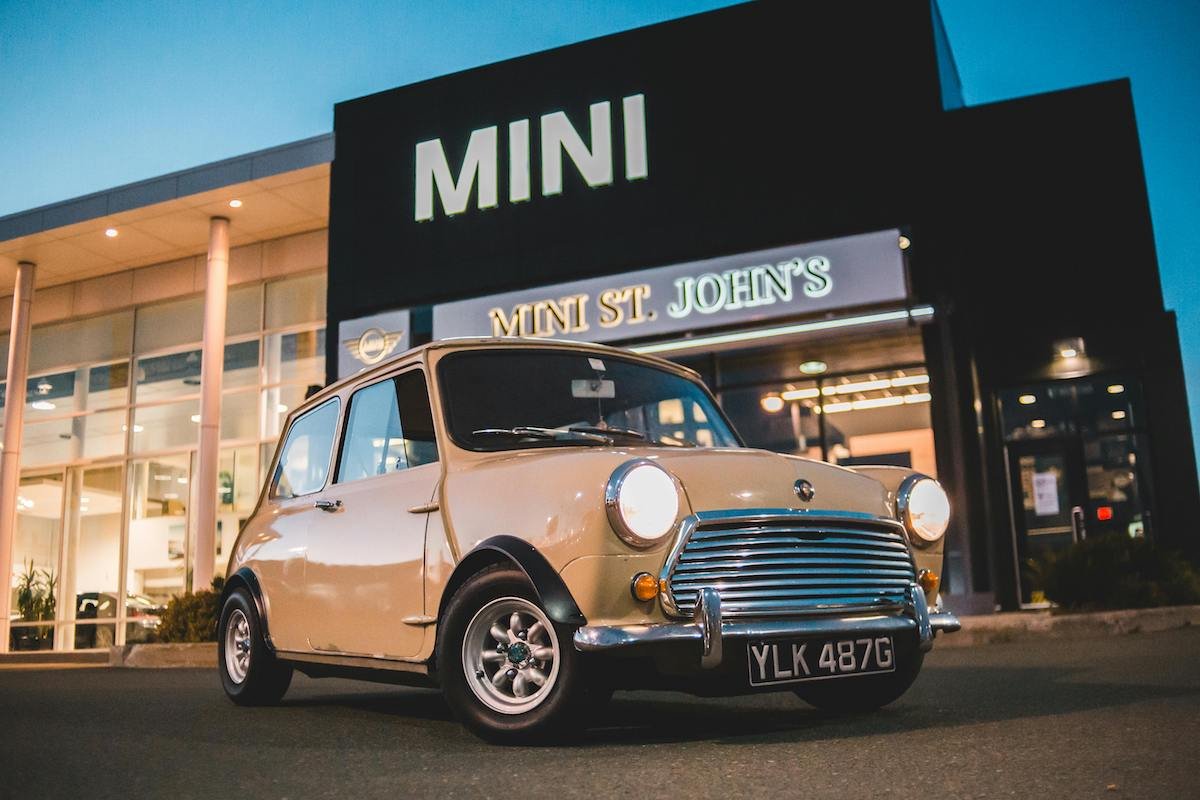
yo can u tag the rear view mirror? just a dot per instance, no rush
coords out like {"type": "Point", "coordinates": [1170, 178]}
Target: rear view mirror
{"type": "Point", "coordinates": [595, 388]}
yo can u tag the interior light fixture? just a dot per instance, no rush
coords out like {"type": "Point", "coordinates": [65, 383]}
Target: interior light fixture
{"type": "Point", "coordinates": [1115, 388]}
{"type": "Point", "coordinates": [195, 418]}
{"type": "Point", "coordinates": [111, 232]}
{"type": "Point", "coordinates": [1118, 414]}
{"type": "Point", "coordinates": [772, 403]}
{"type": "Point", "coordinates": [235, 203]}
{"type": "Point", "coordinates": [1070, 348]}
{"type": "Point", "coordinates": [800, 394]}
{"type": "Point", "coordinates": [1038, 423]}
{"type": "Point", "coordinates": [916, 313]}
{"type": "Point", "coordinates": [42, 405]}
{"type": "Point", "coordinates": [1026, 399]}
{"type": "Point", "coordinates": [281, 408]}
{"type": "Point", "coordinates": [813, 367]}
{"type": "Point", "coordinates": [904, 242]}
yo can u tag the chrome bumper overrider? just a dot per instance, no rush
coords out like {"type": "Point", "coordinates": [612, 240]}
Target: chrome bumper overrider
{"type": "Point", "coordinates": [709, 631]}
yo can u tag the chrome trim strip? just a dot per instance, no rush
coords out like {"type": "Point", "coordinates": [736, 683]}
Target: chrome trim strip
{"type": "Point", "coordinates": [598, 638]}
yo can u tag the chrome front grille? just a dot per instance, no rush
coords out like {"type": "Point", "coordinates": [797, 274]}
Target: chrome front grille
{"type": "Point", "coordinates": [778, 563]}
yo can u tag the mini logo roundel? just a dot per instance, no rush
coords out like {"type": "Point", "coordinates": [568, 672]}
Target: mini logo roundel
{"type": "Point", "coordinates": [804, 490]}
{"type": "Point", "coordinates": [374, 345]}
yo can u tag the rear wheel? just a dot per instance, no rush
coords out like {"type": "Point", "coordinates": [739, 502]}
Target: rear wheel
{"type": "Point", "coordinates": [864, 692]}
{"type": "Point", "coordinates": [250, 672]}
{"type": "Point", "coordinates": [510, 674]}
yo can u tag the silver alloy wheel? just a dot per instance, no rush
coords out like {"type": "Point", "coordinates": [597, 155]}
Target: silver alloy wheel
{"type": "Point", "coordinates": [237, 646]}
{"type": "Point", "coordinates": [510, 655]}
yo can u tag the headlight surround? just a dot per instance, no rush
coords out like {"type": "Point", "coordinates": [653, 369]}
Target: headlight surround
{"type": "Point", "coordinates": [924, 508]}
{"type": "Point", "coordinates": [642, 501]}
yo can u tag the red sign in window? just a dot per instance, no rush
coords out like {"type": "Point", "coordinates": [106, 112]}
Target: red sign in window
{"type": "Point", "coordinates": [1104, 513]}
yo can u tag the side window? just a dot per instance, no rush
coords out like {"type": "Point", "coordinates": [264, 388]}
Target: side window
{"type": "Point", "coordinates": [390, 427]}
{"type": "Point", "coordinates": [304, 461]}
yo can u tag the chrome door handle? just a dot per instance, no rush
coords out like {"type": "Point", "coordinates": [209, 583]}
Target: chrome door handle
{"type": "Point", "coordinates": [1078, 531]}
{"type": "Point", "coordinates": [328, 505]}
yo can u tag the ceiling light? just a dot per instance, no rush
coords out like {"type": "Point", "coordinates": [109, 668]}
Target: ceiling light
{"type": "Point", "coordinates": [235, 203]}
{"type": "Point", "coordinates": [904, 242]}
{"type": "Point", "coordinates": [111, 233]}
{"type": "Point", "coordinates": [195, 417]}
{"type": "Point", "coordinates": [1026, 399]}
{"type": "Point", "coordinates": [1038, 423]}
{"type": "Point", "coordinates": [42, 405]}
{"type": "Point", "coordinates": [162, 477]}
{"type": "Point", "coordinates": [281, 408]}
{"type": "Point", "coordinates": [910, 380]}
{"type": "Point", "coordinates": [1115, 388]}
{"type": "Point", "coordinates": [24, 502]}
{"type": "Point", "coordinates": [1118, 415]}
{"type": "Point", "coordinates": [170, 496]}
{"type": "Point", "coordinates": [920, 397]}
{"type": "Point", "coordinates": [139, 428]}
{"type": "Point", "coordinates": [772, 403]}
{"type": "Point", "coordinates": [1070, 348]}
{"type": "Point", "coordinates": [813, 367]}
{"type": "Point", "coordinates": [800, 394]}
{"type": "Point", "coordinates": [181, 480]}
{"type": "Point", "coordinates": [858, 386]}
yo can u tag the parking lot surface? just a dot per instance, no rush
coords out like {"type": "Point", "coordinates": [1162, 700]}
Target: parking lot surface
{"type": "Point", "coordinates": [1112, 717]}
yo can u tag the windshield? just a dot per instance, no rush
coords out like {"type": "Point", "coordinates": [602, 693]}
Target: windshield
{"type": "Point", "coordinates": [510, 399]}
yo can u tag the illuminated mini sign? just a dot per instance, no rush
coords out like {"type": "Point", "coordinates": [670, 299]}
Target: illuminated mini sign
{"type": "Point", "coordinates": [785, 281]}
{"type": "Point", "coordinates": [480, 167]}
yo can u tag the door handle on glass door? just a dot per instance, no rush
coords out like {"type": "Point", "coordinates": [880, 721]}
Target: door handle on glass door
{"type": "Point", "coordinates": [1078, 531]}
{"type": "Point", "coordinates": [328, 505]}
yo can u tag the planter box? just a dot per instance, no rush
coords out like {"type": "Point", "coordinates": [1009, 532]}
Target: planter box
{"type": "Point", "coordinates": [159, 656]}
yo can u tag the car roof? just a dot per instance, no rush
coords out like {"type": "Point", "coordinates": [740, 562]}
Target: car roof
{"type": "Point", "coordinates": [481, 343]}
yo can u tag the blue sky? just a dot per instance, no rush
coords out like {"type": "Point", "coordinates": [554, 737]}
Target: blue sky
{"type": "Point", "coordinates": [93, 95]}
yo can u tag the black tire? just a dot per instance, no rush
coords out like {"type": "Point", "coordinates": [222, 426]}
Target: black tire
{"type": "Point", "coordinates": [562, 710]}
{"type": "Point", "coordinates": [266, 679]}
{"type": "Point", "coordinates": [862, 693]}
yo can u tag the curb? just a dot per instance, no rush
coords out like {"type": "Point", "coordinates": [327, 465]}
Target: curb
{"type": "Point", "coordinates": [162, 656]}
{"type": "Point", "coordinates": [1024, 626]}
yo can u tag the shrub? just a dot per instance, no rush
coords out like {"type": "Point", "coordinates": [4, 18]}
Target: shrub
{"type": "Point", "coordinates": [192, 616]}
{"type": "Point", "coordinates": [1118, 572]}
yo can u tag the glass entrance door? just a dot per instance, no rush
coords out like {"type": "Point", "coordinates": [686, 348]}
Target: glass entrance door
{"type": "Point", "coordinates": [1048, 486]}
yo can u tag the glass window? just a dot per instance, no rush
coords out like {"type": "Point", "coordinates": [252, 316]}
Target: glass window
{"type": "Point", "coordinates": [239, 416]}
{"type": "Point", "coordinates": [389, 428]}
{"type": "Point", "coordinates": [34, 581]}
{"type": "Point", "coordinates": [576, 399]}
{"type": "Point", "coordinates": [91, 573]}
{"type": "Point", "coordinates": [180, 322]}
{"type": "Point", "coordinates": [158, 508]}
{"type": "Point", "coordinates": [295, 357]}
{"type": "Point", "coordinates": [304, 461]}
{"type": "Point", "coordinates": [48, 442]}
{"type": "Point", "coordinates": [178, 374]}
{"type": "Point", "coordinates": [80, 341]}
{"type": "Point", "coordinates": [277, 401]}
{"type": "Point", "coordinates": [237, 487]}
{"type": "Point", "coordinates": [295, 301]}
{"type": "Point", "coordinates": [166, 427]}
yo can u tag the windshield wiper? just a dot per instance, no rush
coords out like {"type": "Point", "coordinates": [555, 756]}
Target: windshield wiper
{"type": "Point", "coordinates": [630, 432]}
{"type": "Point", "coordinates": [554, 434]}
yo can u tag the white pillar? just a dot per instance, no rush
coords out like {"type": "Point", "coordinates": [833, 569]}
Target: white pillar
{"type": "Point", "coordinates": [212, 366]}
{"type": "Point", "coordinates": [14, 415]}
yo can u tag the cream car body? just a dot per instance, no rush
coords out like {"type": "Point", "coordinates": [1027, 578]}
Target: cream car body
{"type": "Point", "coordinates": [357, 575]}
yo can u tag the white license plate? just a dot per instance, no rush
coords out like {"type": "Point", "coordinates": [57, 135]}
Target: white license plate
{"type": "Point", "coordinates": [794, 660]}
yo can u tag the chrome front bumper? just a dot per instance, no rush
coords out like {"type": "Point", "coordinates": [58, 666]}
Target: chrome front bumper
{"type": "Point", "coordinates": [710, 631]}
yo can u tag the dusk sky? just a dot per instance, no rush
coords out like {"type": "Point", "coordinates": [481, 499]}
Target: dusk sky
{"type": "Point", "coordinates": [94, 95]}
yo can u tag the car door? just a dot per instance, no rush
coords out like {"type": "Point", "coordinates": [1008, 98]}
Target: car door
{"type": "Point", "coordinates": [365, 562]}
{"type": "Point", "coordinates": [276, 541]}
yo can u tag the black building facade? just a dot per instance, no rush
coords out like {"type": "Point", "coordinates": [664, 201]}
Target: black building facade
{"type": "Point", "coordinates": [725, 190]}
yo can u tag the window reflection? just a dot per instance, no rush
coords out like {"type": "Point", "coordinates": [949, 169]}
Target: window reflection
{"type": "Point", "coordinates": [158, 508]}
{"type": "Point", "coordinates": [35, 580]}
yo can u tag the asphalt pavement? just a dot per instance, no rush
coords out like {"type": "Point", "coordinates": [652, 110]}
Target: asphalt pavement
{"type": "Point", "coordinates": [1111, 717]}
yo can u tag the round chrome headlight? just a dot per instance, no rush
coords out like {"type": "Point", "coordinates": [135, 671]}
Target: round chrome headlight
{"type": "Point", "coordinates": [642, 502]}
{"type": "Point", "coordinates": [924, 508]}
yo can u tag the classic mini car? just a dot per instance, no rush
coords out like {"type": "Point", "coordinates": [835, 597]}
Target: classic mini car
{"type": "Point", "coordinates": [532, 524]}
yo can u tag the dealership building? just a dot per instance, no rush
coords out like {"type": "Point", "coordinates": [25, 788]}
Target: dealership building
{"type": "Point", "coordinates": [789, 198]}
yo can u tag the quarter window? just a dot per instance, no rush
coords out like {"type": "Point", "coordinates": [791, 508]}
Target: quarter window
{"type": "Point", "coordinates": [390, 428]}
{"type": "Point", "coordinates": [304, 461]}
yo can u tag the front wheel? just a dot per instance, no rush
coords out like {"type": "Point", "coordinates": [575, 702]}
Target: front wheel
{"type": "Point", "coordinates": [865, 692]}
{"type": "Point", "coordinates": [510, 674]}
{"type": "Point", "coordinates": [250, 673]}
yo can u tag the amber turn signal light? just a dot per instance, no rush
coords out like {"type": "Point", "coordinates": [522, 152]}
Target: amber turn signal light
{"type": "Point", "coordinates": [929, 581]}
{"type": "Point", "coordinates": [644, 586]}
